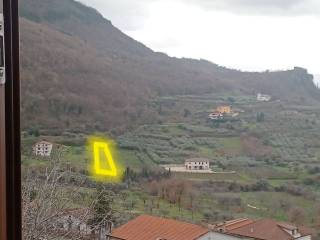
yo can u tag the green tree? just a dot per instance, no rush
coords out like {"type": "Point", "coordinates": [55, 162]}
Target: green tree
{"type": "Point", "coordinates": [260, 117]}
{"type": "Point", "coordinates": [231, 99]}
{"type": "Point", "coordinates": [186, 113]}
{"type": "Point", "coordinates": [103, 207]}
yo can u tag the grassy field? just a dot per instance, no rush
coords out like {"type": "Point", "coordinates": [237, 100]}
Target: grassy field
{"type": "Point", "coordinates": [279, 150]}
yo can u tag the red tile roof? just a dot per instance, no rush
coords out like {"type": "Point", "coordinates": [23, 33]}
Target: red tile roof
{"type": "Point", "coordinates": [233, 224]}
{"type": "Point", "coordinates": [155, 228]}
{"type": "Point", "coordinates": [267, 229]}
{"type": "Point", "coordinates": [197, 160]}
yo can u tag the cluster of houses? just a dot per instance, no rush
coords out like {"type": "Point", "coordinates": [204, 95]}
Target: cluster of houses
{"type": "Point", "coordinates": [222, 112]}
{"type": "Point", "coordinates": [147, 227]}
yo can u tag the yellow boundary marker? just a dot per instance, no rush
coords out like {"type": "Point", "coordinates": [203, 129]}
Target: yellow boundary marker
{"type": "Point", "coordinates": [97, 147]}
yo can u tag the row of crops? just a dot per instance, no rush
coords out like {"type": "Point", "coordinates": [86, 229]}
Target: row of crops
{"type": "Point", "coordinates": [161, 146]}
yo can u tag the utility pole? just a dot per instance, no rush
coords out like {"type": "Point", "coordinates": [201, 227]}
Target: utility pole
{"type": "Point", "coordinates": [10, 180]}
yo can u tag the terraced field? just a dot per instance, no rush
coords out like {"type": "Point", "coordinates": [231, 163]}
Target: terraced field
{"type": "Point", "coordinates": [275, 161]}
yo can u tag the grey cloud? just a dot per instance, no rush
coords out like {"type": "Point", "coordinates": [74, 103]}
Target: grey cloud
{"type": "Point", "coordinates": [261, 7]}
{"type": "Point", "coordinates": [130, 15]}
{"type": "Point", "coordinates": [125, 14]}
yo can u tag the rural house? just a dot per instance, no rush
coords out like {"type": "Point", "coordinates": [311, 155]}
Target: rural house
{"type": "Point", "coordinates": [263, 97]}
{"type": "Point", "coordinates": [224, 109]}
{"type": "Point", "coordinates": [264, 229]}
{"type": "Point", "coordinates": [42, 148]}
{"type": "Point", "coordinates": [221, 112]}
{"type": "Point", "coordinates": [197, 164]}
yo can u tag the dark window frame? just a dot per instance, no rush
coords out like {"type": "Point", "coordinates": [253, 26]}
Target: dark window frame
{"type": "Point", "coordinates": [10, 150]}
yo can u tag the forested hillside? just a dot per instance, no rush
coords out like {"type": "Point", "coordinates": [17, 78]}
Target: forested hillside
{"type": "Point", "coordinates": [79, 72]}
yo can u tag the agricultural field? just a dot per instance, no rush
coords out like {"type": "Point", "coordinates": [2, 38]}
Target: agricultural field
{"type": "Point", "coordinates": [274, 160]}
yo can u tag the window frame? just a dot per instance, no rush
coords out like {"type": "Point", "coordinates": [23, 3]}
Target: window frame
{"type": "Point", "coordinates": [10, 143]}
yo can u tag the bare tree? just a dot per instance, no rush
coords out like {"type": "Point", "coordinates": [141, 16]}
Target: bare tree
{"type": "Point", "coordinates": [47, 202]}
{"type": "Point", "coordinates": [297, 215]}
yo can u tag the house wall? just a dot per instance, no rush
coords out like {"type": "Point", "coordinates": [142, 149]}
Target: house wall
{"type": "Point", "coordinates": [305, 238]}
{"type": "Point", "coordinates": [297, 235]}
{"type": "Point", "coordinates": [197, 165]}
{"type": "Point", "coordinates": [262, 97]}
{"type": "Point", "coordinates": [42, 149]}
{"type": "Point", "coordinates": [224, 109]}
{"type": "Point", "coordinates": [70, 223]}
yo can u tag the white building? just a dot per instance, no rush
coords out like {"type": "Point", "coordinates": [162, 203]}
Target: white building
{"type": "Point", "coordinates": [197, 164]}
{"type": "Point", "coordinates": [215, 116]}
{"type": "Point", "coordinates": [263, 97]}
{"type": "Point", "coordinates": [42, 148]}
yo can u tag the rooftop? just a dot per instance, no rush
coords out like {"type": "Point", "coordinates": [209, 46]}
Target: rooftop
{"type": "Point", "coordinates": [233, 224]}
{"type": "Point", "coordinates": [43, 141]}
{"type": "Point", "coordinates": [266, 229]}
{"type": "Point", "coordinates": [147, 227]}
{"type": "Point", "coordinates": [197, 160]}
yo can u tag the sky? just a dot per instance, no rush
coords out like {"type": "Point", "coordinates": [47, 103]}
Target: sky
{"type": "Point", "coordinates": [250, 35]}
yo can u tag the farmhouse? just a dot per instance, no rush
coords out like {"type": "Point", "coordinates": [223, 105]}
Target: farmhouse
{"type": "Point", "coordinates": [42, 148]}
{"type": "Point", "coordinates": [197, 164]}
{"type": "Point", "coordinates": [224, 109]}
{"type": "Point", "coordinates": [263, 97]}
{"type": "Point", "coordinates": [221, 112]}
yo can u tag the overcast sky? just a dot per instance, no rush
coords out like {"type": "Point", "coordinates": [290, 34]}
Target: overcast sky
{"type": "Point", "coordinates": [242, 34]}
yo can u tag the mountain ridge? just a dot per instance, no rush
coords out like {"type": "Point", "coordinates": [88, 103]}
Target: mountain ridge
{"type": "Point", "coordinates": [80, 72]}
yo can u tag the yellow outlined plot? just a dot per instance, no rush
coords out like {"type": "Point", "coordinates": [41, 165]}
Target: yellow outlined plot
{"type": "Point", "coordinates": [104, 165]}
{"type": "Point", "coordinates": [97, 160]}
